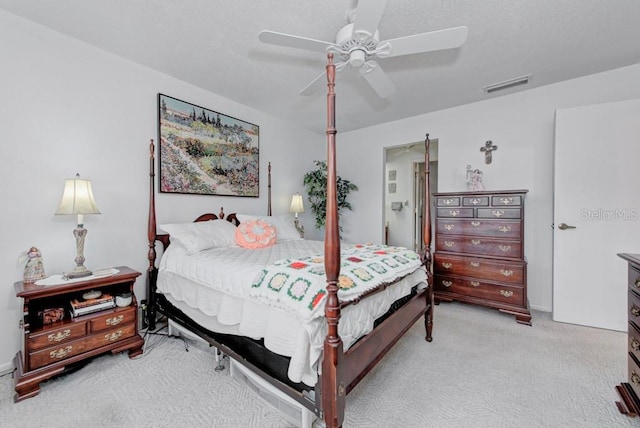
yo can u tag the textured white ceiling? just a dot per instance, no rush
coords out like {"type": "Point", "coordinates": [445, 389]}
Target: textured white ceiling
{"type": "Point", "coordinates": [214, 44]}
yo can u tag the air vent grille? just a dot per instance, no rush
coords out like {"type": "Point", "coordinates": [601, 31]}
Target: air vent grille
{"type": "Point", "coordinates": [507, 84]}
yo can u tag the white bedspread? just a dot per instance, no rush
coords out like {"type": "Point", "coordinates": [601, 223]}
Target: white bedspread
{"type": "Point", "coordinates": [212, 287]}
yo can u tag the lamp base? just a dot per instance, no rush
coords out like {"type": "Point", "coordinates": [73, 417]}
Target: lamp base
{"type": "Point", "coordinates": [79, 272]}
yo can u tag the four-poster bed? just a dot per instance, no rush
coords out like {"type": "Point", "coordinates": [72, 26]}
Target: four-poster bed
{"type": "Point", "coordinates": [344, 356]}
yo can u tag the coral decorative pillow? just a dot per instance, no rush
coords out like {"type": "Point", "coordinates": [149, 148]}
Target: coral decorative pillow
{"type": "Point", "coordinates": [255, 234]}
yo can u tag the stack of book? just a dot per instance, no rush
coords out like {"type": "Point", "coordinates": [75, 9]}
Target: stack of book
{"type": "Point", "coordinates": [81, 307]}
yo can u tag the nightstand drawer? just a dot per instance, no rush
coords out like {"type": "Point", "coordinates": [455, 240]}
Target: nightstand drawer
{"type": "Point", "coordinates": [112, 319]}
{"type": "Point", "coordinates": [69, 331]}
{"type": "Point", "coordinates": [66, 350]}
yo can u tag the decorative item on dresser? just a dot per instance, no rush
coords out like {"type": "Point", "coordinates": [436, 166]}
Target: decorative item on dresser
{"type": "Point", "coordinates": [479, 254]}
{"type": "Point", "coordinates": [630, 391]}
{"type": "Point", "coordinates": [54, 339]}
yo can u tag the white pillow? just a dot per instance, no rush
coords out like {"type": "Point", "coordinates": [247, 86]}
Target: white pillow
{"type": "Point", "coordinates": [285, 230]}
{"type": "Point", "coordinates": [201, 235]}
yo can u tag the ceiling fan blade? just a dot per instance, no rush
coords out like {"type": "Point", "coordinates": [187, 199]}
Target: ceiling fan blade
{"type": "Point", "coordinates": [314, 86]}
{"type": "Point", "coordinates": [368, 16]}
{"type": "Point", "coordinates": [378, 79]}
{"type": "Point", "coordinates": [291, 41]}
{"type": "Point", "coordinates": [427, 42]}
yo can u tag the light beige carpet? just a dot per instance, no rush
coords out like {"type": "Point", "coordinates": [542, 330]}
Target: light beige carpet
{"type": "Point", "coordinates": [482, 370]}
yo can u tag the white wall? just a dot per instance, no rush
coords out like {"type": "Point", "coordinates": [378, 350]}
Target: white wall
{"type": "Point", "coordinates": [69, 108]}
{"type": "Point", "coordinates": [520, 124]}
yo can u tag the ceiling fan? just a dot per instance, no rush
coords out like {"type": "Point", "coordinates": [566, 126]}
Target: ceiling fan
{"type": "Point", "coordinates": [358, 43]}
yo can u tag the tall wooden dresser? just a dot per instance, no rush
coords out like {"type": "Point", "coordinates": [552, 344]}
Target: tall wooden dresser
{"type": "Point", "coordinates": [479, 254]}
{"type": "Point", "coordinates": [630, 391]}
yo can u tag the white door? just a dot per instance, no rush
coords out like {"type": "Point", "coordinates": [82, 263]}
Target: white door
{"type": "Point", "coordinates": [596, 195]}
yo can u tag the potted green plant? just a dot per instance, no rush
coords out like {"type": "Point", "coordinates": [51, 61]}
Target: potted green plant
{"type": "Point", "coordinates": [316, 184]}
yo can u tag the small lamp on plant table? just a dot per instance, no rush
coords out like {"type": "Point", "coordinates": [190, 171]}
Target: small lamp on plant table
{"type": "Point", "coordinates": [296, 208]}
{"type": "Point", "coordinates": [78, 199]}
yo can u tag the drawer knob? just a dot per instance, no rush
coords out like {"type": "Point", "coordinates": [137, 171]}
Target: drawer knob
{"type": "Point", "coordinates": [474, 264]}
{"type": "Point", "coordinates": [635, 378]}
{"type": "Point", "coordinates": [449, 244]}
{"type": "Point", "coordinates": [635, 311]}
{"type": "Point", "coordinates": [506, 272]}
{"type": "Point", "coordinates": [475, 241]}
{"type": "Point", "coordinates": [115, 320]}
{"type": "Point", "coordinates": [447, 283]}
{"type": "Point", "coordinates": [449, 227]}
{"type": "Point", "coordinates": [636, 283]}
{"type": "Point", "coordinates": [454, 213]}
{"type": "Point", "coordinates": [497, 213]}
{"type": "Point", "coordinates": [61, 353]}
{"type": "Point", "coordinates": [635, 345]}
{"type": "Point", "coordinates": [506, 293]}
{"type": "Point", "coordinates": [506, 201]}
{"type": "Point", "coordinates": [59, 336]}
{"type": "Point", "coordinates": [504, 248]}
{"type": "Point", "coordinates": [475, 284]}
{"type": "Point", "coordinates": [475, 223]}
{"type": "Point", "coordinates": [447, 265]}
{"type": "Point", "coordinates": [113, 336]}
{"type": "Point", "coordinates": [504, 229]}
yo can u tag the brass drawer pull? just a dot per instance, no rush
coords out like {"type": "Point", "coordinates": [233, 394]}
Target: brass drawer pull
{"type": "Point", "coordinates": [635, 345]}
{"type": "Point", "coordinates": [497, 213]}
{"type": "Point", "coordinates": [447, 265]}
{"type": "Point", "coordinates": [454, 213]}
{"type": "Point", "coordinates": [115, 320]}
{"type": "Point", "coordinates": [448, 201]}
{"type": "Point", "coordinates": [475, 283]}
{"type": "Point", "coordinates": [475, 241]}
{"type": "Point", "coordinates": [504, 229]}
{"type": "Point", "coordinates": [475, 223]}
{"type": "Point", "coordinates": [505, 248]}
{"type": "Point", "coordinates": [447, 283]}
{"type": "Point", "coordinates": [506, 272]}
{"type": "Point", "coordinates": [506, 201]}
{"type": "Point", "coordinates": [475, 201]}
{"type": "Point", "coordinates": [635, 311]}
{"type": "Point", "coordinates": [449, 244]}
{"type": "Point", "coordinates": [449, 227]}
{"type": "Point", "coordinates": [61, 353]}
{"type": "Point", "coordinates": [506, 293]}
{"type": "Point", "coordinates": [636, 283]}
{"type": "Point", "coordinates": [113, 336]}
{"type": "Point", "coordinates": [474, 264]}
{"type": "Point", "coordinates": [635, 378]}
{"type": "Point", "coordinates": [59, 336]}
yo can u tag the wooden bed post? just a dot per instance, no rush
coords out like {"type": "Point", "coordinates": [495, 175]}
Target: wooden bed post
{"type": "Point", "coordinates": [334, 390]}
{"type": "Point", "coordinates": [269, 187]}
{"type": "Point", "coordinates": [426, 251]}
{"type": "Point", "coordinates": [152, 271]}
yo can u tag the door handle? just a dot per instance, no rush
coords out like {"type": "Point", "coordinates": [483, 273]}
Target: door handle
{"type": "Point", "coordinates": [565, 226]}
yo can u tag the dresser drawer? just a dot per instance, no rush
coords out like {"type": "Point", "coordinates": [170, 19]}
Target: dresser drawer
{"type": "Point", "coordinates": [455, 212]}
{"type": "Point", "coordinates": [49, 337]}
{"type": "Point", "coordinates": [634, 279]}
{"type": "Point", "coordinates": [480, 227]}
{"type": "Point", "coordinates": [499, 212]}
{"type": "Point", "coordinates": [475, 201]}
{"type": "Point", "coordinates": [480, 246]}
{"type": "Point", "coordinates": [506, 200]}
{"type": "Point", "coordinates": [633, 305]}
{"type": "Point", "coordinates": [452, 201]}
{"type": "Point", "coordinates": [69, 349]}
{"type": "Point", "coordinates": [509, 294]}
{"type": "Point", "coordinates": [114, 318]}
{"type": "Point", "coordinates": [634, 340]}
{"type": "Point", "coordinates": [492, 270]}
{"type": "Point", "coordinates": [634, 374]}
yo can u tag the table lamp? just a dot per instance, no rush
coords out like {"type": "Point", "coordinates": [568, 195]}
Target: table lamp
{"type": "Point", "coordinates": [296, 208]}
{"type": "Point", "coordinates": [78, 199]}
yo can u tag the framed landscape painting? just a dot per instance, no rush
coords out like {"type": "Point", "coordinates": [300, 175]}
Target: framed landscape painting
{"type": "Point", "coordinates": [205, 152]}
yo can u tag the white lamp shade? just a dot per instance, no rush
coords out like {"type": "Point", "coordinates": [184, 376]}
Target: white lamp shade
{"type": "Point", "coordinates": [77, 197]}
{"type": "Point", "coordinates": [296, 204]}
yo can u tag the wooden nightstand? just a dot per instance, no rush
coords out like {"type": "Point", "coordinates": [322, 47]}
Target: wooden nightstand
{"type": "Point", "coordinates": [49, 349]}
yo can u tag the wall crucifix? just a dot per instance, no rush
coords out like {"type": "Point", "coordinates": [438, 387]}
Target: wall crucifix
{"type": "Point", "coordinates": [487, 149]}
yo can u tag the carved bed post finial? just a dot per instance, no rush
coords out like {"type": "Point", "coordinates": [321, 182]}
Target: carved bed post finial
{"type": "Point", "coordinates": [221, 214]}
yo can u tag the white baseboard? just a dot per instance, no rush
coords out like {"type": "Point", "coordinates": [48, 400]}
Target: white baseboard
{"type": "Point", "coordinates": [6, 368]}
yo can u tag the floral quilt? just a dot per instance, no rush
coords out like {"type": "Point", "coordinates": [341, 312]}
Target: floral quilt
{"type": "Point", "coordinates": [299, 285]}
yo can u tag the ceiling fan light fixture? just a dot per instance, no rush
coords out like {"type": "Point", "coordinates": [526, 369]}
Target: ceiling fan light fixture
{"type": "Point", "coordinates": [357, 57]}
{"type": "Point", "coordinates": [523, 80]}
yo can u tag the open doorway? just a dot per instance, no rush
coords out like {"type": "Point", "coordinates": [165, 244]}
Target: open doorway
{"type": "Point", "coordinates": [404, 192]}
